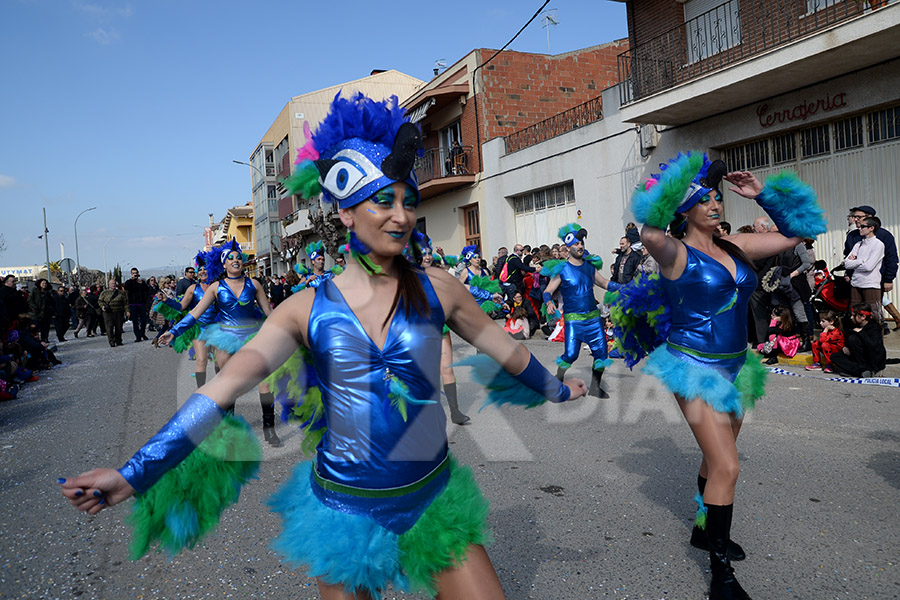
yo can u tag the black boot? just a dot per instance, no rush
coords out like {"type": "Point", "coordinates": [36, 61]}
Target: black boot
{"type": "Point", "coordinates": [723, 585]}
{"type": "Point", "coordinates": [267, 401]}
{"type": "Point", "coordinates": [200, 377]}
{"type": "Point", "coordinates": [595, 389]}
{"type": "Point", "coordinates": [455, 415]}
{"type": "Point", "coordinates": [698, 534]}
{"type": "Point", "coordinates": [561, 373]}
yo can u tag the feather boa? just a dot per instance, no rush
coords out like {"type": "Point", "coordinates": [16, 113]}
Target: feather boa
{"type": "Point", "coordinates": [296, 387]}
{"type": "Point", "coordinates": [595, 260]}
{"type": "Point", "coordinates": [656, 206]}
{"type": "Point", "coordinates": [552, 268]}
{"type": "Point", "coordinates": [641, 317]}
{"type": "Point", "coordinates": [792, 206]}
{"type": "Point", "coordinates": [189, 500]}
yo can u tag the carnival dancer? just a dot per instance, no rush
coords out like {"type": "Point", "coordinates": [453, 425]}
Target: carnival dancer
{"type": "Point", "coordinates": [236, 297]}
{"type": "Point", "coordinates": [695, 315]}
{"type": "Point", "coordinates": [318, 275]}
{"type": "Point", "coordinates": [575, 278]}
{"type": "Point", "coordinates": [477, 279]}
{"type": "Point", "coordinates": [384, 502]}
{"type": "Point", "coordinates": [448, 375]}
{"type": "Point", "coordinates": [209, 269]}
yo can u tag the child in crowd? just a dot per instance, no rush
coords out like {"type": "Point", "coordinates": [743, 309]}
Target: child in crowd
{"type": "Point", "coordinates": [517, 324]}
{"type": "Point", "coordinates": [831, 340]}
{"type": "Point", "coordinates": [781, 336]}
{"type": "Point", "coordinates": [820, 272]}
{"type": "Point", "coordinates": [864, 354]}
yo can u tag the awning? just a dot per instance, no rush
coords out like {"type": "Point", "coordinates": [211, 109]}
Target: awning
{"type": "Point", "coordinates": [419, 113]}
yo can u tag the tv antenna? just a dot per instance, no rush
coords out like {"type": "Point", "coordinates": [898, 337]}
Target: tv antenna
{"type": "Point", "coordinates": [439, 64]}
{"type": "Point", "coordinates": [549, 19]}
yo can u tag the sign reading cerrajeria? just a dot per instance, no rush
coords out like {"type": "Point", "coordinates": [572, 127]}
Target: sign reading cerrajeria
{"type": "Point", "coordinates": [804, 110]}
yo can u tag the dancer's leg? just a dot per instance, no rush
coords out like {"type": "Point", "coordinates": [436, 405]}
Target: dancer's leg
{"type": "Point", "coordinates": [473, 579]}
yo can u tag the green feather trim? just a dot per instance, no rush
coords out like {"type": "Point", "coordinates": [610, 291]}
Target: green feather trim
{"type": "Point", "coordinates": [751, 381]}
{"type": "Point", "coordinates": [485, 283]}
{"type": "Point", "coordinates": [456, 520]}
{"type": "Point", "coordinates": [488, 307]}
{"type": "Point", "coordinates": [561, 363]}
{"type": "Point", "coordinates": [657, 206]}
{"type": "Point", "coordinates": [188, 501]}
{"type": "Point", "coordinates": [366, 263]}
{"type": "Point", "coordinates": [304, 181]}
{"type": "Point", "coordinates": [450, 260]}
{"type": "Point", "coordinates": [552, 268]}
{"type": "Point", "coordinates": [290, 378]}
{"type": "Point", "coordinates": [595, 260]}
{"type": "Point", "coordinates": [309, 411]}
{"type": "Point", "coordinates": [567, 229]}
{"type": "Point", "coordinates": [337, 269]}
{"type": "Point", "coordinates": [700, 519]}
{"type": "Point", "coordinates": [445, 330]}
{"type": "Point", "coordinates": [167, 312]}
{"type": "Point", "coordinates": [186, 340]}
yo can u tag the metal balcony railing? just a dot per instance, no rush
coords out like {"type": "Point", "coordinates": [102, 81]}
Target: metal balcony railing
{"type": "Point", "coordinates": [444, 162]}
{"type": "Point", "coordinates": [564, 122]}
{"type": "Point", "coordinates": [731, 32]}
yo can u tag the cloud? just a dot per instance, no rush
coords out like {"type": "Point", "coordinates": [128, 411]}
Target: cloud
{"type": "Point", "coordinates": [104, 37]}
{"type": "Point", "coordinates": [6, 181]}
{"type": "Point", "coordinates": [125, 11]}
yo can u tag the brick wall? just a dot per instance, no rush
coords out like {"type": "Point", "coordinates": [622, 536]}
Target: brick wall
{"type": "Point", "coordinates": [650, 18]}
{"type": "Point", "coordinates": [522, 89]}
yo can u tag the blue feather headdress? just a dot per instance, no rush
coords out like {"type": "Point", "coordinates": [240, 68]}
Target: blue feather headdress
{"type": "Point", "coordinates": [571, 233]}
{"type": "Point", "coordinates": [359, 148]}
{"type": "Point", "coordinates": [315, 250]}
{"type": "Point", "coordinates": [469, 252]}
{"type": "Point", "coordinates": [209, 260]}
{"type": "Point", "coordinates": [228, 248]}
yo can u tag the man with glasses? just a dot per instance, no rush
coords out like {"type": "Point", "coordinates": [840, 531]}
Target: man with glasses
{"type": "Point", "coordinates": [185, 282]}
{"type": "Point", "coordinates": [865, 260]}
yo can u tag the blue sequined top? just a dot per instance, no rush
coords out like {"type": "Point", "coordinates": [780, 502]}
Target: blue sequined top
{"type": "Point", "coordinates": [237, 311]}
{"type": "Point", "coordinates": [368, 445]}
{"type": "Point", "coordinates": [709, 306]}
{"type": "Point", "coordinates": [210, 314]}
{"type": "Point", "coordinates": [577, 288]}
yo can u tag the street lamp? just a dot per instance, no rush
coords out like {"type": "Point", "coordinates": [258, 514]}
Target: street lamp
{"type": "Point", "coordinates": [77, 259]}
{"type": "Point", "coordinates": [262, 175]}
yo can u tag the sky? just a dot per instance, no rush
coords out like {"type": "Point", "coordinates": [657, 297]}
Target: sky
{"type": "Point", "coordinates": [139, 107]}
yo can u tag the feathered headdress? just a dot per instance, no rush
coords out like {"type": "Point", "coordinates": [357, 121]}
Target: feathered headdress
{"type": "Point", "coordinates": [571, 233]}
{"type": "Point", "coordinates": [469, 252]}
{"type": "Point", "coordinates": [315, 250]}
{"type": "Point", "coordinates": [359, 148]}
{"type": "Point", "coordinates": [679, 185]}
{"type": "Point", "coordinates": [228, 248]}
{"type": "Point", "coordinates": [209, 260]}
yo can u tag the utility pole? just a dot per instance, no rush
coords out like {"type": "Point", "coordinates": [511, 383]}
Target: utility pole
{"type": "Point", "coordinates": [47, 245]}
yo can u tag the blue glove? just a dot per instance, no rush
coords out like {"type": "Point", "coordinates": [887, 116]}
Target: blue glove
{"type": "Point", "coordinates": [183, 325]}
{"type": "Point", "coordinates": [539, 379]}
{"type": "Point", "coordinates": [175, 441]}
{"type": "Point", "coordinates": [480, 294]}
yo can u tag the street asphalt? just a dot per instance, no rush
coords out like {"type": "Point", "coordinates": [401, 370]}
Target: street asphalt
{"type": "Point", "coordinates": [588, 500]}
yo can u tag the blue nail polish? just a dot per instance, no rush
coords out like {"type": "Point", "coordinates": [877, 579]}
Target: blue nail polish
{"type": "Point", "coordinates": [79, 493]}
{"type": "Point", "coordinates": [97, 493]}
{"type": "Point", "coordinates": [102, 501]}
{"type": "Point", "coordinates": [60, 480]}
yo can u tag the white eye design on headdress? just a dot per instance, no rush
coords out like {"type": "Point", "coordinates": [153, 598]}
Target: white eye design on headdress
{"type": "Point", "coordinates": [569, 239]}
{"type": "Point", "coordinates": [351, 172]}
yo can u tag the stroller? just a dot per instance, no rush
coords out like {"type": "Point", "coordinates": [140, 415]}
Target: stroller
{"type": "Point", "coordinates": [833, 293]}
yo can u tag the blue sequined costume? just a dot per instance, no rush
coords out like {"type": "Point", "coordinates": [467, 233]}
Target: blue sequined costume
{"type": "Point", "coordinates": [237, 319]}
{"type": "Point", "coordinates": [707, 345]}
{"type": "Point", "coordinates": [581, 315]}
{"type": "Point", "coordinates": [375, 472]}
{"type": "Point", "coordinates": [210, 315]}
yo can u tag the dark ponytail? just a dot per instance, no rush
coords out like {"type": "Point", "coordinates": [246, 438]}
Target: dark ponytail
{"type": "Point", "coordinates": [409, 291]}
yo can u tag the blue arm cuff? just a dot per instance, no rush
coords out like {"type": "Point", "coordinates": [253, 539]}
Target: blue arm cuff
{"type": "Point", "coordinates": [183, 325]}
{"type": "Point", "coordinates": [479, 293]}
{"type": "Point", "coordinates": [195, 420]}
{"type": "Point", "coordinates": [539, 379]}
{"type": "Point", "coordinates": [613, 286]}
{"type": "Point", "coordinates": [547, 297]}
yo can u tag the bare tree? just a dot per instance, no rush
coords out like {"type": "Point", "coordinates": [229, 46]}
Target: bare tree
{"type": "Point", "coordinates": [2, 243]}
{"type": "Point", "coordinates": [330, 230]}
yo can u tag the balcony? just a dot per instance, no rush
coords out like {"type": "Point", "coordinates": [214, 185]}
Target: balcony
{"type": "Point", "coordinates": [744, 51]}
{"type": "Point", "coordinates": [442, 169]}
{"type": "Point", "coordinates": [296, 222]}
{"type": "Point", "coordinates": [564, 122]}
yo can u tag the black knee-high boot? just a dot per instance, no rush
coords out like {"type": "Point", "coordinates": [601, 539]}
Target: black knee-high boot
{"type": "Point", "coordinates": [595, 389]}
{"type": "Point", "coordinates": [267, 401]}
{"type": "Point", "coordinates": [455, 415]}
{"type": "Point", "coordinates": [698, 534]}
{"type": "Point", "coordinates": [200, 377]}
{"type": "Point", "coordinates": [561, 372]}
{"type": "Point", "coordinates": [723, 585]}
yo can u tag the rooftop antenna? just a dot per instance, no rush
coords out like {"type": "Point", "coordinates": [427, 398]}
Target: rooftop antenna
{"type": "Point", "coordinates": [549, 19]}
{"type": "Point", "coordinates": [439, 64]}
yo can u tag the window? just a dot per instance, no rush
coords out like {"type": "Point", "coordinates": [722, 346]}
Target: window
{"type": "Point", "coordinates": [449, 134]}
{"type": "Point", "coordinates": [814, 141]}
{"type": "Point", "coordinates": [784, 148]}
{"type": "Point", "coordinates": [817, 5]}
{"type": "Point", "coordinates": [747, 156]}
{"type": "Point", "coordinates": [711, 26]}
{"type": "Point", "coordinates": [546, 198]}
{"type": "Point", "coordinates": [848, 133]}
{"type": "Point", "coordinates": [420, 225]}
{"type": "Point", "coordinates": [884, 125]}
